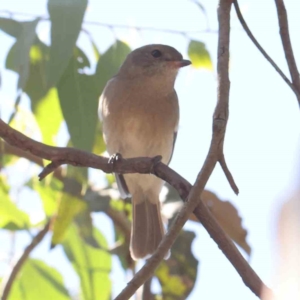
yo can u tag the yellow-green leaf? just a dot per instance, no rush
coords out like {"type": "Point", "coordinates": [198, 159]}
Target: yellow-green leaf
{"type": "Point", "coordinates": [36, 280]}
{"type": "Point", "coordinates": [50, 192]}
{"type": "Point", "coordinates": [11, 217]}
{"type": "Point", "coordinates": [199, 55]}
{"type": "Point", "coordinates": [92, 265]}
{"type": "Point", "coordinates": [177, 275]}
{"type": "Point", "coordinates": [68, 208]}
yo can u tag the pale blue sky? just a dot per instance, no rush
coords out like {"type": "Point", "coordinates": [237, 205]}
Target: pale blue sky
{"type": "Point", "coordinates": [262, 135]}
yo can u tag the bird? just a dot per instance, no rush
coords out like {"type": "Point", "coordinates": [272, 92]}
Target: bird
{"type": "Point", "coordinates": [139, 110]}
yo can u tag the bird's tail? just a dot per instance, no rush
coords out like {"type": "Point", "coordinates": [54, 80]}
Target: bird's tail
{"type": "Point", "coordinates": [147, 226]}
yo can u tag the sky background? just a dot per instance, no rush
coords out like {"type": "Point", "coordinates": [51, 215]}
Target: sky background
{"type": "Point", "coordinates": [261, 144]}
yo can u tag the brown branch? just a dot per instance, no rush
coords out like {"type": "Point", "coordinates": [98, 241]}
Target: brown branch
{"type": "Point", "coordinates": [7, 285]}
{"type": "Point", "coordinates": [215, 153]}
{"type": "Point", "coordinates": [8, 149]}
{"type": "Point", "coordinates": [263, 52]}
{"type": "Point", "coordinates": [138, 165]}
{"type": "Point", "coordinates": [117, 217]}
{"type": "Point", "coordinates": [287, 45]}
{"type": "Point", "coordinates": [145, 165]}
{"type": "Point", "coordinates": [228, 174]}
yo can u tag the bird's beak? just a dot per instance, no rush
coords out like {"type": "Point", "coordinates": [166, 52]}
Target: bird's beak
{"type": "Point", "coordinates": [181, 63]}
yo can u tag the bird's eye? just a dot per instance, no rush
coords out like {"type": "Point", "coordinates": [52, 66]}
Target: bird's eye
{"type": "Point", "coordinates": [156, 53]}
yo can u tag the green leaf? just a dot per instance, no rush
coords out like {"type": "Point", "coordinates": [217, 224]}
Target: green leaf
{"type": "Point", "coordinates": [11, 217]}
{"type": "Point", "coordinates": [110, 62]}
{"type": "Point", "coordinates": [36, 280]}
{"type": "Point", "coordinates": [99, 144]}
{"type": "Point", "coordinates": [11, 27]}
{"type": "Point", "coordinates": [85, 227]}
{"type": "Point", "coordinates": [68, 208]}
{"type": "Point", "coordinates": [43, 100]}
{"type": "Point", "coordinates": [49, 116]}
{"type": "Point", "coordinates": [92, 265]}
{"type": "Point", "coordinates": [50, 192]}
{"type": "Point", "coordinates": [177, 275]}
{"type": "Point", "coordinates": [79, 102]}
{"type": "Point", "coordinates": [66, 19]}
{"type": "Point", "coordinates": [97, 201]}
{"type": "Point", "coordinates": [18, 57]}
{"type": "Point", "coordinates": [199, 55]}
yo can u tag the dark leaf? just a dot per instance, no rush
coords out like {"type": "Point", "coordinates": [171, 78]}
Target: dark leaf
{"type": "Point", "coordinates": [18, 57]}
{"type": "Point", "coordinates": [11, 27]}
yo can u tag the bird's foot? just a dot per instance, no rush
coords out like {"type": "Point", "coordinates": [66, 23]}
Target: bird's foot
{"type": "Point", "coordinates": [115, 158]}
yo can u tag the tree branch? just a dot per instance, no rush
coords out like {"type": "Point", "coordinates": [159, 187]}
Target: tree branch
{"type": "Point", "coordinates": [145, 165]}
{"type": "Point", "coordinates": [118, 218]}
{"type": "Point", "coordinates": [215, 154]}
{"type": "Point", "coordinates": [137, 165]}
{"type": "Point", "coordinates": [287, 45]}
{"type": "Point", "coordinates": [7, 284]}
{"type": "Point", "coordinates": [263, 52]}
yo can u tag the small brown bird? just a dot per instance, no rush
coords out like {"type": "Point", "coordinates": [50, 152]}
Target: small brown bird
{"type": "Point", "coordinates": [140, 114]}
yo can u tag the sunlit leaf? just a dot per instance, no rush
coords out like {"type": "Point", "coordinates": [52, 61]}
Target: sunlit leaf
{"type": "Point", "coordinates": [110, 62]}
{"type": "Point", "coordinates": [36, 280]}
{"type": "Point", "coordinates": [49, 123]}
{"type": "Point", "coordinates": [66, 19]}
{"type": "Point", "coordinates": [44, 102]}
{"type": "Point", "coordinates": [11, 27]}
{"type": "Point", "coordinates": [199, 55]}
{"type": "Point", "coordinates": [69, 207]}
{"type": "Point", "coordinates": [11, 217]}
{"type": "Point", "coordinates": [18, 57]}
{"type": "Point", "coordinates": [99, 144]}
{"type": "Point", "coordinates": [79, 102]}
{"type": "Point", "coordinates": [177, 275]}
{"type": "Point", "coordinates": [92, 265]}
{"type": "Point", "coordinates": [50, 192]}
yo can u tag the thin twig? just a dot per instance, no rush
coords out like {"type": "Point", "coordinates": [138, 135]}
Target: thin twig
{"type": "Point", "coordinates": [7, 284]}
{"type": "Point", "coordinates": [263, 52]}
{"type": "Point", "coordinates": [120, 26]}
{"type": "Point", "coordinates": [287, 45]}
{"type": "Point", "coordinates": [228, 174]}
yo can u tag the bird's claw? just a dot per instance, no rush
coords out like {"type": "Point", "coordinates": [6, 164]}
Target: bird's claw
{"type": "Point", "coordinates": [114, 158]}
